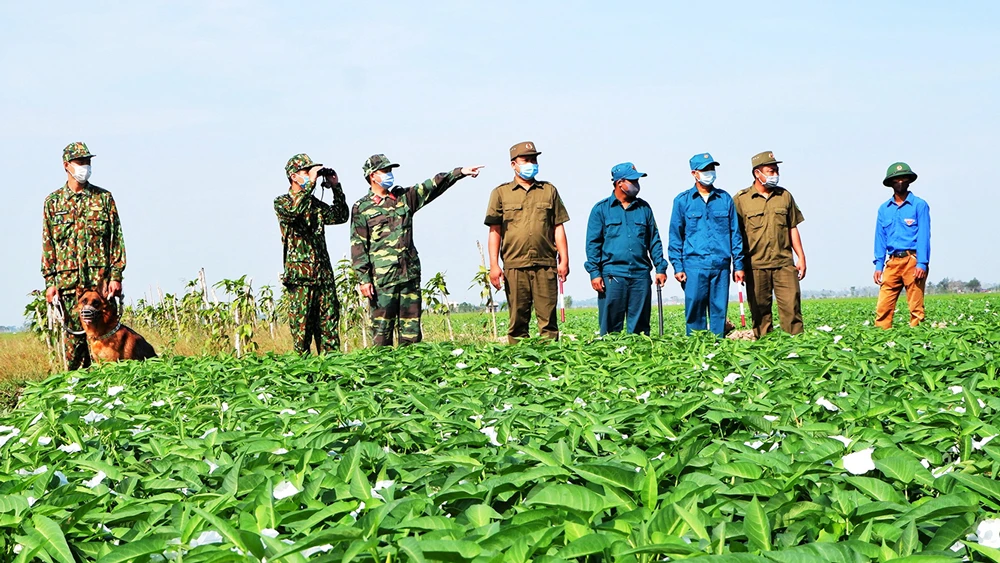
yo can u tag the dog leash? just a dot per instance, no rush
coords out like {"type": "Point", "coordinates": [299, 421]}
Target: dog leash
{"type": "Point", "coordinates": [59, 316]}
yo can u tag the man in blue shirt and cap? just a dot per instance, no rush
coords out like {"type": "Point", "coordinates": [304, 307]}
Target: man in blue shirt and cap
{"type": "Point", "coordinates": [705, 241]}
{"type": "Point", "coordinates": [902, 247]}
{"type": "Point", "coordinates": [623, 245]}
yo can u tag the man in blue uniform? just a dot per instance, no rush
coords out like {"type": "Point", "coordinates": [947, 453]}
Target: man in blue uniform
{"type": "Point", "coordinates": [704, 242]}
{"type": "Point", "coordinates": [623, 245]}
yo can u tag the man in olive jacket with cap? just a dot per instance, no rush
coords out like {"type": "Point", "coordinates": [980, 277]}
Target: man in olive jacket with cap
{"type": "Point", "coordinates": [382, 249]}
{"type": "Point", "coordinates": [526, 217]}
{"type": "Point", "coordinates": [310, 286]}
{"type": "Point", "coordinates": [902, 247]}
{"type": "Point", "coordinates": [769, 219]}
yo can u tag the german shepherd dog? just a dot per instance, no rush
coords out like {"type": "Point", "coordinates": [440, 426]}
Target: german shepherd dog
{"type": "Point", "coordinates": [108, 339]}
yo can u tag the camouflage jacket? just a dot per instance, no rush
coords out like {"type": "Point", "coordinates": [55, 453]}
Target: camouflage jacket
{"type": "Point", "coordinates": [382, 248]}
{"type": "Point", "coordinates": [302, 218]}
{"type": "Point", "coordinates": [81, 238]}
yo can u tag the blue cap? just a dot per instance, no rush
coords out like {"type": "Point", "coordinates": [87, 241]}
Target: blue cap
{"type": "Point", "coordinates": [700, 161]}
{"type": "Point", "coordinates": [625, 171]}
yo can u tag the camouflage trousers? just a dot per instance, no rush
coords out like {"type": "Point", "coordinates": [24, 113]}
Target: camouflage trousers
{"type": "Point", "coordinates": [76, 350]}
{"type": "Point", "coordinates": [314, 315]}
{"type": "Point", "coordinates": [399, 303]}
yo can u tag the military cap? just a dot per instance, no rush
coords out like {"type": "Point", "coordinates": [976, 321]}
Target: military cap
{"type": "Point", "coordinates": [377, 162]}
{"type": "Point", "coordinates": [896, 170]}
{"type": "Point", "coordinates": [625, 171]}
{"type": "Point", "coordinates": [763, 158]}
{"type": "Point", "coordinates": [701, 160]}
{"type": "Point", "coordinates": [299, 162]}
{"type": "Point", "coordinates": [76, 150]}
{"type": "Point", "coordinates": [526, 148]}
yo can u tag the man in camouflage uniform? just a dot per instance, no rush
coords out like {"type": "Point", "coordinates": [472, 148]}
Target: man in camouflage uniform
{"type": "Point", "coordinates": [313, 309]}
{"type": "Point", "coordinates": [82, 245]}
{"type": "Point", "coordinates": [382, 247]}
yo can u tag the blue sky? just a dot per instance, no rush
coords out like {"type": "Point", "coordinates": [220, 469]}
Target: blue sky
{"type": "Point", "coordinates": [194, 107]}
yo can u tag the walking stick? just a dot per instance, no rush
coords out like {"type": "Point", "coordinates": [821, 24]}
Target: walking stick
{"type": "Point", "coordinates": [659, 305]}
{"type": "Point", "coordinates": [743, 315]}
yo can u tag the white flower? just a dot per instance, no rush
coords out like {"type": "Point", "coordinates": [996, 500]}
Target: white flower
{"type": "Point", "coordinates": [97, 480]}
{"type": "Point", "coordinates": [35, 420]}
{"type": "Point", "coordinates": [206, 538]}
{"type": "Point", "coordinates": [643, 397]}
{"type": "Point", "coordinates": [69, 397]}
{"type": "Point", "coordinates": [579, 401]}
{"type": "Point", "coordinates": [18, 548]}
{"type": "Point", "coordinates": [827, 404]}
{"type": "Point", "coordinates": [379, 486]}
{"type": "Point", "coordinates": [309, 551]}
{"type": "Point", "coordinates": [494, 371]}
{"type": "Point", "coordinates": [825, 328]}
{"type": "Point", "coordinates": [285, 490]}
{"type": "Point", "coordinates": [553, 378]}
{"type": "Point", "coordinates": [157, 403]}
{"type": "Point", "coordinates": [31, 501]}
{"type": "Point", "coordinates": [92, 417]}
{"type": "Point", "coordinates": [264, 397]}
{"type": "Point", "coordinates": [718, 391]}
{"type": "Point", "coordinates": [388, 390]}
{"type": "Point", "coordinates": [280, 451]}
{"type": "Point", "coordinates": [71, 448]}
{"type": "Point", "coordinates": [112, 391]}
{"type": "Point", "coordinates": [312, 411]}
{"type": "Point", "coordinates": [704, 366]}
{"type": "Point", "coordinates": [286, 411]}
{"type": "Point", "coordinates": [754, 445]}
{"type": "Point", "coordinates": [731, 378]}
{"type": "Point", "coordinates": [44, 440]}
{"type": "Point", "coordinates": [710, 356]}
{"type": "Point", "coordinates": [476, 417]}
{"type": "Point", "coordinates": [770, 418]}
{"type": "Point", "coordinates": [461, 365]}
{"type": "Point", "coordinates": [208, 432]}
{"type": "Point", "coordinates": [506, 407]}
{"type": "Point", "coordinates": [842, 394]}
{"type": "Point", "coordinates": [211, 466]}
{"type": "Point", "coordinates": [26, 473]}
{"type": "Point", "coordinates": [860, 462]}
{"type": "Point", "coordinates": [269, 532]}
{"type": "Point", "coordinates": [837, 338]}
{"type": "Point", "coordinates": [288, 434]}
{"type": "Point", "coordinates": [354, 423]}
{"type": "Point", "coordinates": [960, 410]}
{"type": "Point", "coordinates": [225, 407]}
{"type": "Point", "coordinates": [355, 513]}
{"type": "Point", "coordinates": [978, 445]}
{"type": "Point", "coordinates": [621, 350]}
{"type": "Point", "coordinates": [925, 463]}
{"type": "Point", "coordinates": [866, 323]}
{"type": "Point", "coordinates": [457, 352]}
{"type": "Point", "coordinates": [659, 457]}
{"type": "Point", "coordinates": [792, 355]}
{"type": "Point", "coordinates": [982, 405]}
{"type": "Point", "coordinates": [842, 439]}
{"type": "Point", "coordinates": [890, 344]}
{"type": "Point", "coordinates": [988, 533]}
{"type": "Point", "coordinates": [491, 432]}
{"type": "Point", "coordinates": [956, 389]}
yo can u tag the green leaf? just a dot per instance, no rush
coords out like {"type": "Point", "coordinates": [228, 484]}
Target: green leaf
{"type": "Point", "coordinates": [134, 550]}
{"type": "Point", "coordinates": [571, 497]}
{"type": "Point", "coordinates": [56, 545]}
{"type": "Point", "coordinates": [756, 526]}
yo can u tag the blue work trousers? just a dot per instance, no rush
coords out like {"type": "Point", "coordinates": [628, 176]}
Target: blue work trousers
{"type": "Point", "coordinates": [624, 298]}
{"type": "Point", "coordinates": [706, 298]}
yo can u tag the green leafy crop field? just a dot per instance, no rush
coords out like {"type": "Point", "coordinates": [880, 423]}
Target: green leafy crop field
{"type": "Point", "coordinates": [845, 443]}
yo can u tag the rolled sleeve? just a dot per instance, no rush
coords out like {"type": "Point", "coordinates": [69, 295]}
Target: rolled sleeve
{"type": "Point", "coordinates": [494, 210]}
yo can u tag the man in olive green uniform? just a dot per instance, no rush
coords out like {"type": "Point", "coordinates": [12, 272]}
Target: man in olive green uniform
{"type": "Point", "coordinates": [82, 245]}
{"type": "Point", "coordinates": [310, 286]}
{"type": "Point", "coordinates": [769, 219]}
{"type": "Point", "coordinates": [382, 249]}
{"type": "Point", "coordinates": [526, 217]}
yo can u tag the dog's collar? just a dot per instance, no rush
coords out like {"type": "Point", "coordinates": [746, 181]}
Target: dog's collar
{"type": "Point", "coordinates": [110, 334]}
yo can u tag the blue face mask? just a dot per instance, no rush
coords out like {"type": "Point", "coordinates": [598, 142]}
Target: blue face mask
{"type": "Point", "coordinates": [706, 178]}
{"type": "Point", "coordinates": [387, 180]}
{"type": "Point", "coordinates": [528, 170]}
{"type": "Point", "coordinates": [305, 182]}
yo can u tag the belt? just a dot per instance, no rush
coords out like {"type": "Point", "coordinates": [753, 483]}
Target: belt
{"type": "Point", "coordinates": [903, 253]}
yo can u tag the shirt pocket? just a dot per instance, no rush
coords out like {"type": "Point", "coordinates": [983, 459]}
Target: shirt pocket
{"type": "Point", "coordinates": [379, 227]}
{"type": "Point", "coordinates": [62, 227]}
{"type": "Point", "coordinates": [512, 213]}
{"type": "Point", "coordinates": [613, 228]}
{"type": "Point", "coordinates": [909, 223]}
{"type": "Point", "coordinates": [641, 230]}
{"type": "Point", "coordinates": [781, 217]}
{"type": "Point", "coordinates": [755, 221]}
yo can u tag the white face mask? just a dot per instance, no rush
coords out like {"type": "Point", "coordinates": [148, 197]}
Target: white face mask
{"type": "Point", "coordinates": [80, 173]}
{"type": "Point", "coordinates": [769, 181]}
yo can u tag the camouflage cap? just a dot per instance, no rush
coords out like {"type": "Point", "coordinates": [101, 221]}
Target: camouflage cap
{"type": "Point", "coordinates": [299, 162]}
{"type": "Point", "coordinates": [896, 170]}
{"type": "Point", "coordinates": [76, 150]}
{"type": "Point", "coordinates": [377, 162]}
{"type": "Point", "coordinates": [526, 148]}
{"type": "Point", "coordinates": [763, 158]}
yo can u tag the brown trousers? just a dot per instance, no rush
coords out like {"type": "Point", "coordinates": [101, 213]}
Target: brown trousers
{"type": "Point", "coordinates": [525, 287]}
{"type": "Point", "coordinates": [783, 283]}
{"type": "Point", "coordinates": [900, 273]}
